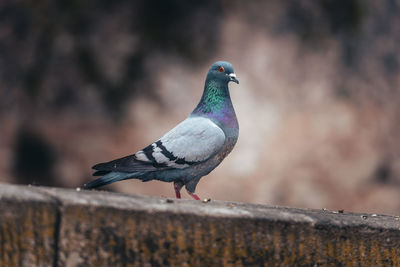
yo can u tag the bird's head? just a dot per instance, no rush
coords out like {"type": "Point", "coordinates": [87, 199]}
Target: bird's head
{"type": "Point", "coordinates": [223, 71]}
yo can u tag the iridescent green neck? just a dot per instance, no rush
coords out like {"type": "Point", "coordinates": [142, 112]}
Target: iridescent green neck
{"type": "Point", "coordinates": [215, 98]}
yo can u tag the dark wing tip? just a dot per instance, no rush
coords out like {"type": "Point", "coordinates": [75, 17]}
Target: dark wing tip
{"type": "Point", "coordinates": [100, 173]}
{"type": "Point", "coordinates": [126, 164]}
{"type": "Point", "coordinates": [97, 166]}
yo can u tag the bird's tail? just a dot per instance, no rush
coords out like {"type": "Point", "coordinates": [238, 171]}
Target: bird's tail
{"type": "Point", "coordinates": [108, 178]}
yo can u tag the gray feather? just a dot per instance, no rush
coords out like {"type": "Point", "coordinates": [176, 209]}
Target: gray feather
{"type": "Point", "coordinates": [108, 179]}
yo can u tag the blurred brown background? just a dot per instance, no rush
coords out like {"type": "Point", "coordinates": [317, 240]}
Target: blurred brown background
{"type": "Point", "coordinates": [83, 82]}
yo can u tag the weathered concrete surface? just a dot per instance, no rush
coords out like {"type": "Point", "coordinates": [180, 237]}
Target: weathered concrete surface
{"type": "Point", "coordinates": [28, 222]}
{"type": "Point", "coordinates": [109, 229]}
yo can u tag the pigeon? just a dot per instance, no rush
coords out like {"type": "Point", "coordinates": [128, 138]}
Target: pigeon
{"type": "Point", "coordinates": [189, 151]}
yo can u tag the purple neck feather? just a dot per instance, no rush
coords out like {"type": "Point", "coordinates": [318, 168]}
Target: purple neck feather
{"type": "Point", "coordinates": [216, 103]}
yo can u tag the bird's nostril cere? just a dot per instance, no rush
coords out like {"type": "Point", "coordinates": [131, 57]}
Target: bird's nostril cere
{"type": "Point", "coordinates": [232, 77]}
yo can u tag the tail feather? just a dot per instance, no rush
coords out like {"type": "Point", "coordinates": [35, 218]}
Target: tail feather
{"type": "Point", "coordinates": [109, 178]}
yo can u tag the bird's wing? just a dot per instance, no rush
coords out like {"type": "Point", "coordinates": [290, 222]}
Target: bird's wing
{"type": "Point", "coordinates": [194, 140]}
{"type": "Point", "coordinates": [125, 164]}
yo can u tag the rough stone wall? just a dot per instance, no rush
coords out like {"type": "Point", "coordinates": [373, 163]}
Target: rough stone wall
{"type": "Point", "coordinates": [42, 226]}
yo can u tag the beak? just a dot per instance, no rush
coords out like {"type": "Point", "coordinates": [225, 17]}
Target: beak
{"type": "Point", "coordinates": [232, 78]}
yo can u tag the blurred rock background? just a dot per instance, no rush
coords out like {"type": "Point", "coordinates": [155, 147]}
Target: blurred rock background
{"type": "Point", "coordinates": [83, 82]}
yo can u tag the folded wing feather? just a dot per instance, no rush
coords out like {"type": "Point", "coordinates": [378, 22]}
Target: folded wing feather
{"type": "Point", "coordinates": [194, 140]}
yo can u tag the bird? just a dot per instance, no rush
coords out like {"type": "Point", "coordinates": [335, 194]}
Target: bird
{"type": "Point", "coordinates": [189, 151]}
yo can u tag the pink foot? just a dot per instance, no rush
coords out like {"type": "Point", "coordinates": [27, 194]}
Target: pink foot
{"type": "Point", "coordinates": [177, 192]}
{"type": "Point", "coordinates": [194, 195]}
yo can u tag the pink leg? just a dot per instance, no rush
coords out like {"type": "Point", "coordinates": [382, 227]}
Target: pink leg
{"type": "Point", "coordinates": [177, 192]}
{"type": "Point", "coordinates": [193, 195]}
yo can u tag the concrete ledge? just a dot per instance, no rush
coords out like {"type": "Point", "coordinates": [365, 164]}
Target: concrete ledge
{"type": "Point", "coordinates": [50, 226]}
{"type": "Point", "coordinates": [28, 227]}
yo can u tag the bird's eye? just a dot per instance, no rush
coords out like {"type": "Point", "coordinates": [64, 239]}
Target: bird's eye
{"type": "Point", "coordinates": [221, 69]}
